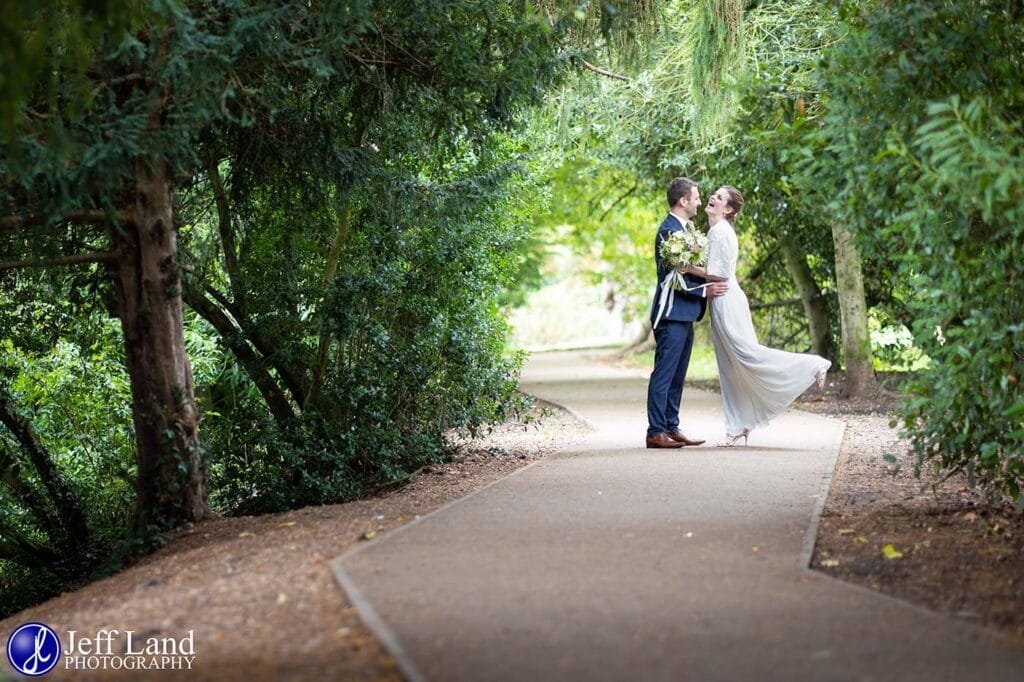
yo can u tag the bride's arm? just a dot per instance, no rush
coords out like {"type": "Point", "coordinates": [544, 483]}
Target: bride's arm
{"type": "Point", "coordinates": [713, 248]}
{"type": "Point", "coordinates": [702, 272]}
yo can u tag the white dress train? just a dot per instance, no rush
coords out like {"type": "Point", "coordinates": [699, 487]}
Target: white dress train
{"type": "Point", "coordinates": [758, 383]}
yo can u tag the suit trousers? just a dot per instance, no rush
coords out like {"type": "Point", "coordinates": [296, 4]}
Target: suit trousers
{"type": "Point", "coordinates": [673, 345]}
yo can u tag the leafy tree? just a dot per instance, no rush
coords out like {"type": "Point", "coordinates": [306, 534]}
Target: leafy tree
{"type": "Point", "coordinates": [161, 95]}
{"type": "Point", "coordinates": [925, 103]}
{"type": "Point", "coordinates": [43, 43]}
{"type": "Point", "coordinates": [337, 192]}
{"type": "Point", "coordinates": [393, 210]}
{"type": "Point", "coordinates": [716, 103]}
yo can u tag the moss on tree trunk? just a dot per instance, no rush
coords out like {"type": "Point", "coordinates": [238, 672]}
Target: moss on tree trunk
{"type": "Point", "coordinates": [853, 313]}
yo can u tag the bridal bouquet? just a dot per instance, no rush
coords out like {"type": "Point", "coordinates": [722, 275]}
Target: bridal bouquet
{"type": "Point", "coordinates": [682, 248]}
{"type": "Point", "coordinates": [679, 249]}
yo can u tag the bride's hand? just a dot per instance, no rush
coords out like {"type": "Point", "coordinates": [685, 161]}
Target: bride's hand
{"type": "Point", "coordinates": [693, 270]}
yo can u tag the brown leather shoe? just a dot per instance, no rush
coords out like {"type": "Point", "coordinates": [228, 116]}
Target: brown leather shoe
{"type": "Point", "coordinates": [678, 437]}
{"type": "Point", "coordinates": [662, 440]}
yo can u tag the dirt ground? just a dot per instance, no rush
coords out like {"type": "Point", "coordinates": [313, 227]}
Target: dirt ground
{"type": "Point", "coordinates": [258, 591]}
{"type": "Point", "coordinates": [934, 542]}
{"type": "Point", "coordinates": [259, 594]}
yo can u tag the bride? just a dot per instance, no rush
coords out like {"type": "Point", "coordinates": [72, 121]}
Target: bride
{"type": "Point", "coordinates": [758, 383]}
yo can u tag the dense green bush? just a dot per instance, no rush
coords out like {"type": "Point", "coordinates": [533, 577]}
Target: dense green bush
{"type": "Point", "coordinates": [62, 371]}
{"type": "Point", "coordinates": [925, 107]}
{"type": "Point", "coordinates": [61, 374]}
{"type": "Point", "coordinates": [418, 348]}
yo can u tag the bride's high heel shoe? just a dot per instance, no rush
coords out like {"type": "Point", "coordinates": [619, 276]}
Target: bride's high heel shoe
{"type": "Point", "coordinates": [820, 380]}
{"type": "Point", "coordinates": [731, 441]}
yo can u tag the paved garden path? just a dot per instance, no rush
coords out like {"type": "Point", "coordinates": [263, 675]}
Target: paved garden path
{"type": "Point", "coordinates": [613, 562]}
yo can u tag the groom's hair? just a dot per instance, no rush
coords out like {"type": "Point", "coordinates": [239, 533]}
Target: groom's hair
{"type": "Point", "coordinates": [679, 188]}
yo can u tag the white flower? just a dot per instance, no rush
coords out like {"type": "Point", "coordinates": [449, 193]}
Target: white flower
{"type": "Point", "coordinates": [682, 248]}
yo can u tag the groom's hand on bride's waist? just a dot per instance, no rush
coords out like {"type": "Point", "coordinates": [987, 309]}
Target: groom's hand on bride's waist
{"type": "Point", "coordinates": [716, 289]}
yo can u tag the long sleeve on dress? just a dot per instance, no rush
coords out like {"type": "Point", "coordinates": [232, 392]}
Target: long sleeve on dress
{"type": "Point", "coordinates": [722, 251]}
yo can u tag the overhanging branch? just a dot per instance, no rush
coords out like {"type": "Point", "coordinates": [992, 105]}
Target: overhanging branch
{"type": "Point", "coordinates": [10, 223]}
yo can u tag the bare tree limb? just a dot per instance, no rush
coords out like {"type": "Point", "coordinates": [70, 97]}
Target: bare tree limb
{"type": "Point", "coordinates": [619, 201]}
{"type": "Point", "coordinates": [78, 259]}
{"type": "Point", "coordinates": [604, 72]}
{"type": "Point", "coordinates": [293, 379]}
{"type": "Point", "coordinates": [67, 504]}
{"type": "Point", "coordinates": [21, 550]}
{"type": "Point", "coordinates": [345, 220]}
{"type": "Point", "coordinates": [776, 304]}
{"type": "Point", "coordinates": [227, 235]}
{"type": "Point", "coordinates": [766, 262]}
{"type": "Point", "coordinates": [9, 223]}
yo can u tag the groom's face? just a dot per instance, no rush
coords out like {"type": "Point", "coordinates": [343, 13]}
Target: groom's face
{"type": "Point", "coordinates": [692, 204]}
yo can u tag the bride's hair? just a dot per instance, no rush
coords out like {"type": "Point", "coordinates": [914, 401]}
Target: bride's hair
{"type": "Point", "coordinates": [735, 202]}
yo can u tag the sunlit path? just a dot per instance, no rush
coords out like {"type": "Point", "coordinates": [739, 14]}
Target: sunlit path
{"type": "Point", "coordinates": [613, 562]}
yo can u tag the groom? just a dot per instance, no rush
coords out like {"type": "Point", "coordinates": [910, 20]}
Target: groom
{"type": "Point", "coordinates": [674, 335]}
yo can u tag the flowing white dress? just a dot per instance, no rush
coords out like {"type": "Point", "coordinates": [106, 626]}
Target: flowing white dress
{"type": "Point", "coordinates": [758, 383]}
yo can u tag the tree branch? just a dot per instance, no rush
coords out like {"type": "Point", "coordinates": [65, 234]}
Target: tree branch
{"type": "Point", "coordinates": [776, 304]}
{"type": "Point", "coordinates": [345, 220]}
{"type": "Point", "coordinates": [29, 496]}
{"type": "Point", "coordinates": [293, 379]}
{"type": "Point", "coordinates": [29, 554]}
{"type": "Point", "coordinates": [254, 365]}
{"type": "Point", "coordinates": [78, 259]}
{"type": "Point", "coordinates": [72, 517]}
{"type": "Point", "coordinates": [9, 223]}
{"type": "Point", "coordinates": [604, 72]}
{"type": "Point", "coordinates": [760, 267]}
{"type": "Point", "coordinates": [227, 235]}
{"type": "Point", "coordinates": [21, 549]}
{"type": "Point", "coordinates": [618, 201]}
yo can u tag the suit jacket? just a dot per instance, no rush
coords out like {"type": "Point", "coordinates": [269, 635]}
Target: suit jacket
{"type": "Point", "coordinates": [688, 306]}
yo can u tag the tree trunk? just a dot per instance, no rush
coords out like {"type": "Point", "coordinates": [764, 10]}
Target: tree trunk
{"type": "Point", "coordinates": [345, 218]}
{"type": "Point", "coordinates": [853, 311]}
{"type": "Point", "coordinates": [171, 485]}
{"type": "Point", "coordinates": [815, 305]}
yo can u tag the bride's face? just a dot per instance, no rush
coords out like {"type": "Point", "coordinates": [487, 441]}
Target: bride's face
{"type": "Point", "coordinates": [718, 205]}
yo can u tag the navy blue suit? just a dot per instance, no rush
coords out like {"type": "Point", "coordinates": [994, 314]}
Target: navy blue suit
{"type": "Point", "coordinates": [674, 342]}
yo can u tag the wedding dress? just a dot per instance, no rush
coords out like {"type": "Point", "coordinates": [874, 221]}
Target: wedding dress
{"type": "Point", "coordinates": [758, 383]}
